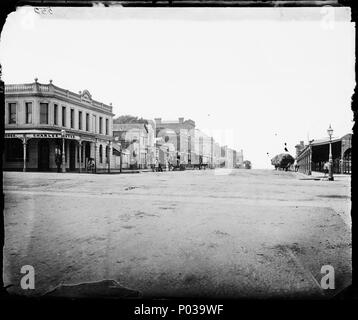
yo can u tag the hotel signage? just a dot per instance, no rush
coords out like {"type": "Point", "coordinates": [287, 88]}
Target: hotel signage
{"type": "Point", "coordinates": [41, 135]}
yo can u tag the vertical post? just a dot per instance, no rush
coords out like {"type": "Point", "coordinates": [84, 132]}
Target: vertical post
{"type": "Point", "coordinates": [63, 151]}
{"type": "Point", "coordinates": [330, 160]}
{"type": "Point", "coordinates": [109, 156]}
{"type": "Point", "coordinates": [24, 143]}
{"type": "Point", "coordinates": [139, 150]}
{"type": "Point", "coordinates": [310, 160]}
{"type": "Point", "coordinates": [2, 237]}
{"type": "Point", "coordinates": [120, 159]}
{"type": "Point", "coordinates": [95, 156]}
{"type": "Point", "coordinates": [80, 155]}
{"type": "Point", "coordinates": [145, 157]}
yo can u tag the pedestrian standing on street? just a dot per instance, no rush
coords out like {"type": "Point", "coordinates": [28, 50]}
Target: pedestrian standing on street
{"type": "Point", "coordinates": [156, 165]}
{"type": "Point", "coordinates": [58, 160]}
{"type": "Point", "coordinates": [91, 165]}
{"type": "Point", "coordinates": [326, 168]}
{"type": "Point", "coordinates": [200, 162]}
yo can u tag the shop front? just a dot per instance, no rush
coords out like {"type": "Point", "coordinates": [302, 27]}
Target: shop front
{"type": "Point", "coordinates": [45, 150]}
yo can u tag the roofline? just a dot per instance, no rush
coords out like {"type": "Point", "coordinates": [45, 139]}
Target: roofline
{"type": "Point", "coordinates": [50, 90]}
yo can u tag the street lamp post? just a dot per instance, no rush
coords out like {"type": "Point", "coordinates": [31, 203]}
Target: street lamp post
{"type": "Point", "coordinates": [330, 169]}
{"type": "Point", "coordinates": [310, 159]}
{"type": "Point", "coordinates": [63, 134]}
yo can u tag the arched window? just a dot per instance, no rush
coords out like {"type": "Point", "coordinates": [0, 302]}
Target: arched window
{"type": "Point", "coordinates": [348, 154]}
{"type": "Point", "coordinates": [100, 154]}
{"type": "Point", "coordinates": [347, 161]}
{"type": "Point", "coordinates": [107, 154]}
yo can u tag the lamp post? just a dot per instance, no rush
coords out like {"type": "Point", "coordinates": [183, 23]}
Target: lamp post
{"type": "Point", "coordinates": [310, 159]}
{"type": "Point", "coordinates": [330, 172]}
{"type": "Point", "coordinates": [63, 134]}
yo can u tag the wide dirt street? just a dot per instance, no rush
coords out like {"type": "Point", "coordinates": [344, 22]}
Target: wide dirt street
{"type": "Point", "coordinates": [250, 233]}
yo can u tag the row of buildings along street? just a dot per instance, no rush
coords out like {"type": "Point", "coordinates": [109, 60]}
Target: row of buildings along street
{"type": "Point", "coordinates": [48, 126]}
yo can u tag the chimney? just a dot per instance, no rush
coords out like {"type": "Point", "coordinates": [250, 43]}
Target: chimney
{"type": "Point", "coordinates": [181, 120]}
{"type": "Point", "coordinates": [302, 144]}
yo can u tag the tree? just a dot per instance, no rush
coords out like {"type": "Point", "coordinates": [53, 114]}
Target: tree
{"type": "Point", "coordinates": [125, 119]}
{"type": "Point", "coordinates": [282, 161]}
{"type": "Point", "coordinates": [247, 164]}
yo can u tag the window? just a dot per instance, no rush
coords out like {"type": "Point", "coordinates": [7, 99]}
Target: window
{"type": "Point", "coordinates": [107, 154]}
{"type": "Point", "coordinates": [100, 154]}
{"type": "Point", "coordinates": [72, 118]}
{"type": "Point", "coordinates": [12, 113]}
{"type": "Point", "coordinates": [43, 113]}
{"type": "Point", "coordinates": [107, 126]}
{"type": "Point", "coordinates": [87, 121]}
{"type": "Point", "coordinates": [55, 114]}
{"type": "Point", "coordinates": [28, 110]}
{"type": "Point", "coordinates": [64, 116]}
{"type": "Point", "coordinates": [100, 125]}
{"type": "Point", "coordinates": [79, 120]}
{"type": "Point", "coordinates": [95, 123]}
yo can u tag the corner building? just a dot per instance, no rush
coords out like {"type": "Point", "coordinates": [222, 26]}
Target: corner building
{"type": "Point", "coordinates": [44, 122]}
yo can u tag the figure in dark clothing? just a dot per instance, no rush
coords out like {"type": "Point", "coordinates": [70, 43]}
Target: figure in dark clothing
{"type": "Point", "coordinates": [58, 161]}
{"type": "Point", "coordinates": [326, 168]}
{"type": "Point", "coordinates": [200, 162]}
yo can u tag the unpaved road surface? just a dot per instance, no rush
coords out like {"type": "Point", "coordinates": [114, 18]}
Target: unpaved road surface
{"type": "Point", "coordinates": [248, 233]}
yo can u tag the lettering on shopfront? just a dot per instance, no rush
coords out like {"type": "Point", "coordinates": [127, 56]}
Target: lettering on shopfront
{"type": "Point", "coordinates": [40, 135]}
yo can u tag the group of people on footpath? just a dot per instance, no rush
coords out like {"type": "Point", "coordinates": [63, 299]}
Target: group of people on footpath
{"type": "Point", "coordinates": [157, 167]}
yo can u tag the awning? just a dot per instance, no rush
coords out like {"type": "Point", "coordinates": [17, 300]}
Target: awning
{"type": "Point", "coordinates": [116, 149]}
{"type": "Point", "coordinates": [324, 141]}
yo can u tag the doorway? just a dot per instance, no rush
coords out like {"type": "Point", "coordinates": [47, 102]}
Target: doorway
{"type": "Point", "coordinates": [87, 153]}
{"type": "Point", "coordinates": [72, 155]}
{"type": "Point", "coordinates": [43, 155]}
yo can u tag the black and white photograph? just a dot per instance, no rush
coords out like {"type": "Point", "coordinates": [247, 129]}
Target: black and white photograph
{"type": "Point", "coordinates": [177, 152]}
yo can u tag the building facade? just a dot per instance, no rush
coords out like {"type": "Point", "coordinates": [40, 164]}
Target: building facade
{"type": "Point", "coordinates": [48, 128]}
{"type": "Point", "coordinates": [240, 159]}
{"type": "Point", "coordinates": [312, 157]}
{"type": "Point", "coordinates": [138, 143]}
{"type": "Point", "coordinates": [203, 147]}
{"type": "Point", "coordinates": [179, 136]}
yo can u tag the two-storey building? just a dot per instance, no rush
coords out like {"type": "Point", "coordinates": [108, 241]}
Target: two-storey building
{"type": "Point", "coordinates": [48, 128]}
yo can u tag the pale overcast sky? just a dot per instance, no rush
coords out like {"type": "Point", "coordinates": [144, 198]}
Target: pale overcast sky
{"type": "Point", "coordinates": [266, 76]}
